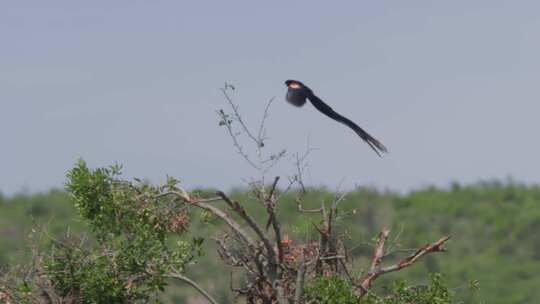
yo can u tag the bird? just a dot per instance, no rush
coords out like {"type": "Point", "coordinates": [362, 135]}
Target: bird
{"type": "Point", "coordinates": [298, 93]}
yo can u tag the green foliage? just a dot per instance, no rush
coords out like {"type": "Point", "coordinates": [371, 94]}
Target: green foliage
{"type": "Point", "coordinates": [331, 290]}
{"type": "Point", "coordinates": [131, 224]}
{"type": "Point", "coordinates": [89, 277]}
{"type": "Point", "coordinates": [400, 292]}
{"type": "Point", "coordinates": [336, 290]}
{"type": "Point", "coordinates": [94, 197]}
{"type": "Point", "coordinates": [21, 213]}
{"type": "Point", "coordinates": [138, 242]}
{"type": "Point", "coordinates": [129, 273]}
{"type": "Point", "coordinates": [493, 226]}
{"type": "Point", "coordinates": [115, 207]}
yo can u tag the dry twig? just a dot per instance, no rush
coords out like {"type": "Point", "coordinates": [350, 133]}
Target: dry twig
{"type": "Point", "coordinates": [376, 270]}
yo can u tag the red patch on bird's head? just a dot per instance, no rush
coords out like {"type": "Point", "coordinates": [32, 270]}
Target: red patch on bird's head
{"type": "Point", "coordinates": [293, 84]}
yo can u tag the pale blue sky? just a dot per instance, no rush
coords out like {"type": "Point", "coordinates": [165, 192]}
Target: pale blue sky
{"type": "Point", "coordinates": [450, 87]}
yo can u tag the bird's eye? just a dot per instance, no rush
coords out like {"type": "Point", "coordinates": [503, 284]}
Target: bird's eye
{"type": "Point", "coordinates": [294, 85]}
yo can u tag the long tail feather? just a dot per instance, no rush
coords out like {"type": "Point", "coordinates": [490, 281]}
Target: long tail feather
{"type": "Point", "coordinates": [320, 105]}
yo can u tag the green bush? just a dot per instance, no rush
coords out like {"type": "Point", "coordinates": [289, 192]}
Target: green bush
{"type": "Point", "coordinates": [336, 290]}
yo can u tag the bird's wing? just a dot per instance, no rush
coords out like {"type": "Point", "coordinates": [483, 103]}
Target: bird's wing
{"type": "Point", "coordinates": [377, 146]}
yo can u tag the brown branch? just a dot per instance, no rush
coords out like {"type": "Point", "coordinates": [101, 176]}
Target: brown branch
{"type": "Point", "coordinates": [379, 250]}
{"type": "Point", "coordinates": [273, 188]}
{"type": "Point", "coordinates": [225, 253]}
{"type": "Point", "coordinates": [300, 277]}
{"type": "Point", "coordinates": [301, 208]}
{"type": "Point", "coordinates": [280, 292]}
{"type": "Point", "coordinates": [333, 257]}
{"type": "Point", "coordinates": [251, 222]}
{"type": "Point", "coordinates": [377, 271]}
{"type": "Point", "coordinates": [277, 229]}
{"type": "Point", "coordinates": [187, 280]}
{"type": "Point", "coordinates": [321, 231]}
{"type": "Point", "coordinates": [217, 212]}
{"type": "Point", "coordinates": [272, 219]}
{"type": "Point", "coordinates": [291, 182]}
{"type": "Point", "coordinates": [208, 200]}
{"type": "Point", "coordinates": [408, 261]}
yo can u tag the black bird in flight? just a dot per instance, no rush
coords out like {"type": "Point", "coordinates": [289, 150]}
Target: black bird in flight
{"type": "Point", "coordinates": [297, 94]}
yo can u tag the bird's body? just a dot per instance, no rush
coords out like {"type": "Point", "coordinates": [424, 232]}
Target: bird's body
{"type": "Point", "coordinates": [298, 93]}
{"type": "Point", "coordinates": [297, 96]}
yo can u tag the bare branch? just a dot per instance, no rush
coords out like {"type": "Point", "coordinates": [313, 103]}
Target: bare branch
{"type": "Point", "coordinates": [301, 208]}
{"type": "Point", "coordinates": [225, 121]}
{"type": "Point", "coordinates": [190, 282]}
{"type": "Point", "coordinates": [334, 257]}
{"type": "Point", "coordinates": [238, 117]}
{"type": "Point", "coordinates": [379, 250]}
{"type": "Point", "coordinates": [377, 271]}
{"type": "Point", "coordinates": [226, 254]}
{"type": "Point", "coordinates": [273, 188]}
{"type": "Point", "coordinates": [218, 212]}
{"type": "Point", "coordinates": [251, 222]}
{"type": "Point", "coordinates": [408, 261]}
{"type": "Point", "coordinates": [277, 231]}
{"type": "Point", "coordinates": [299, 163]}
{"type": "Point", "coordinates": [280, 293]}
{"type": "Point", "coordinates": [300, 277]}
{"type": "Point", "coordinates": [338, 200]}
{"type": "Point", "coordinates": [260, 136]}
{"type": "Point", "coordinates": [273, 160]}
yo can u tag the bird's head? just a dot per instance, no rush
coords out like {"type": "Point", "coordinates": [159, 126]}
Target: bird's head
{"type": "Point", "coordinates": [294, 84]}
